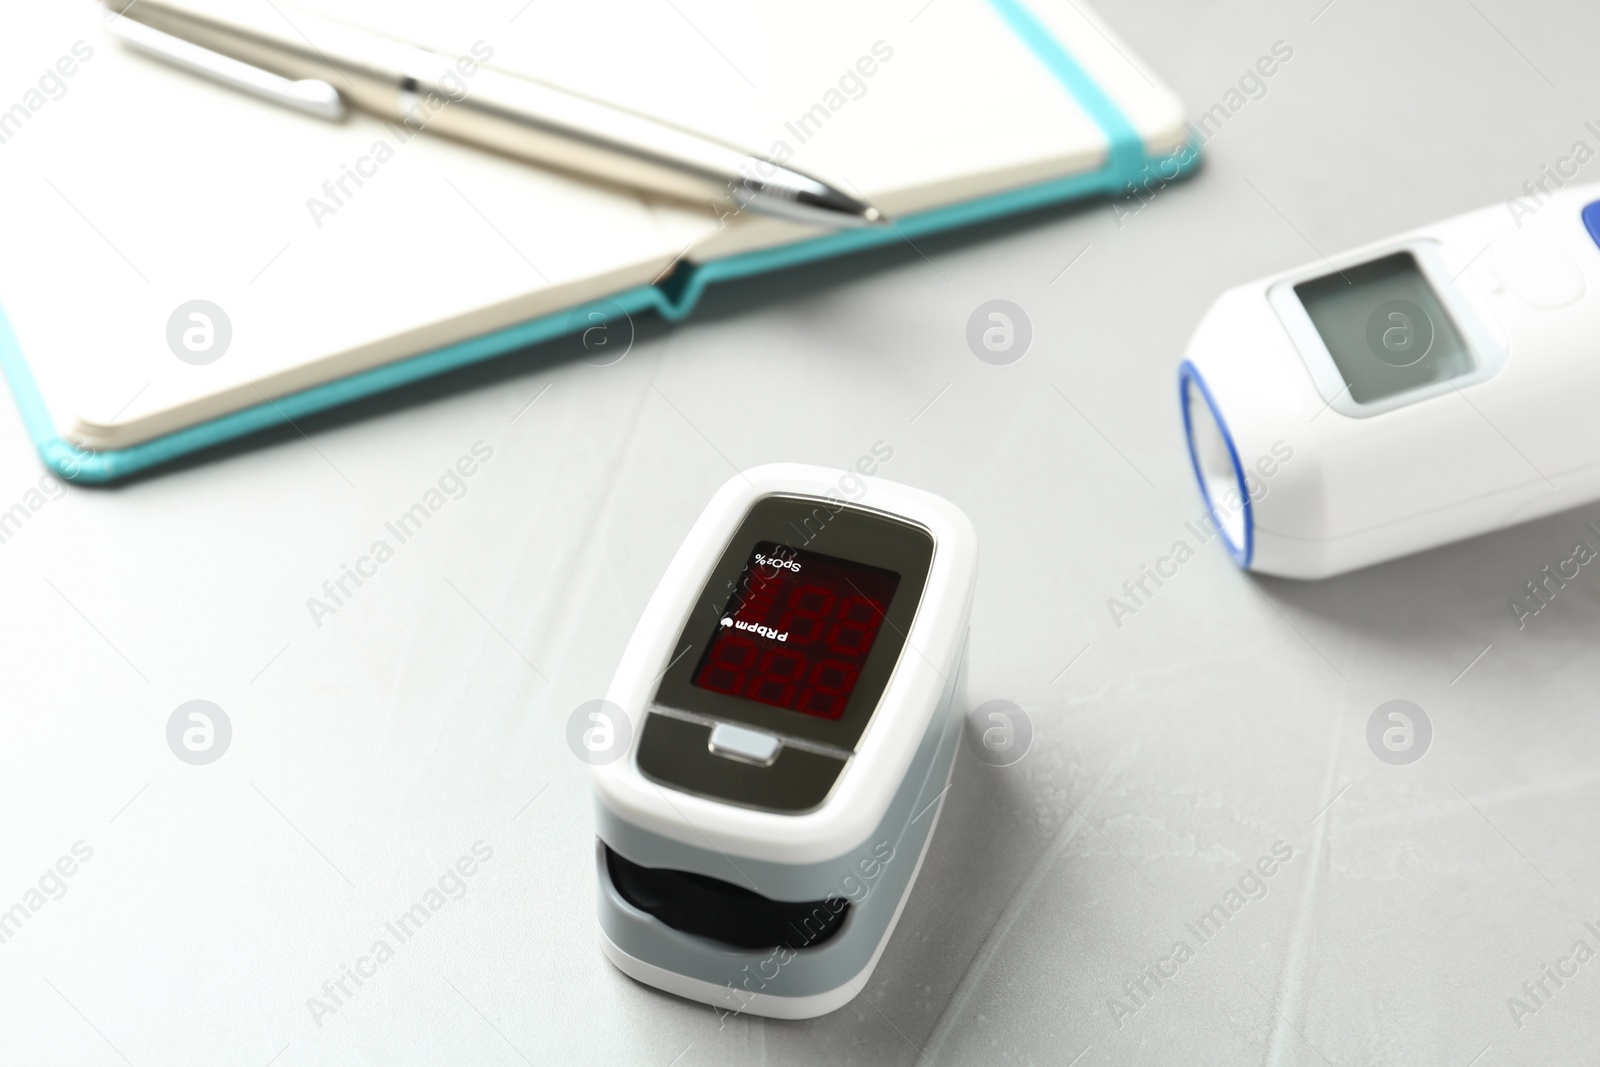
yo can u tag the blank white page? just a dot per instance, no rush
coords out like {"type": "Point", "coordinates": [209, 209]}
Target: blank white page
{"type": "Point", "coordinates": [144, 187]}
{"type": "Point", "coordinates": [147, 187]}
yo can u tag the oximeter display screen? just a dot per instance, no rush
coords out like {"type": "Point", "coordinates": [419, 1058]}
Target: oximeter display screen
{"type": "Point", "coordinates": [797, 630]}
{"type": "Point", "coordinates": [1385, 327]}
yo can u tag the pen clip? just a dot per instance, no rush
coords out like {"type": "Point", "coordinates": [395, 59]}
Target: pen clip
{"type": "Point", "coordinates": [309, 95]}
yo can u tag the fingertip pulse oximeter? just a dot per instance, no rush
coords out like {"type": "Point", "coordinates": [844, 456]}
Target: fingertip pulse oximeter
{"type": "Point", "coordinates": [1420, 390]}
{"type": "Point", "coordinates": [797, 681]}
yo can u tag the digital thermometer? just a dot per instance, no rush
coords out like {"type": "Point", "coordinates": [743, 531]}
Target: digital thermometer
{"type": "Point", "coordinates": [796, 682]}
{"type": "Point", "coordinates": [1423, 389]}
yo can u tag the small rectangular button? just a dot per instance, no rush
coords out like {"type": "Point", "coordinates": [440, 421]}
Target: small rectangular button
{"type": "Point", "coordinates": [677, 753]}
{"type": "Point", "coordinates": [743, 743]}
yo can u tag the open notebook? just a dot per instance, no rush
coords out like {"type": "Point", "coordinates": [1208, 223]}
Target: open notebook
{"type": "Point", "coordinates": [131, 189]}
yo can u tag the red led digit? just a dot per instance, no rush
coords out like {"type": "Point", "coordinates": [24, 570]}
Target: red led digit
{"type": "Point", "coordinates": [730, 659]}
{"type": "Point", "coordinates": [808, 607]}
{"type": "Point", "coordinates": [776, 677]}
{"type": "Point", "coordinates": [830, 683]}
{"type": "Point", "coordinates": [855, 625]}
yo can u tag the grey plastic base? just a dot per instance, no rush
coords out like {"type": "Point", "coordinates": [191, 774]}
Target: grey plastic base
{"type": "Point", "coordinates": [875, 877]}
{"type": "Point", "coordinates": [730, 1001]}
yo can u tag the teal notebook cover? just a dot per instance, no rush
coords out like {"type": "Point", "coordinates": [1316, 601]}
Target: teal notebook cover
{"type": "Point", "coordinates": [1127, 168]}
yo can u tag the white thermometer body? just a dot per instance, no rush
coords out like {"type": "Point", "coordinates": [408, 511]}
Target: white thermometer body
{"type": "Point", "coordinates": [1420, 390]}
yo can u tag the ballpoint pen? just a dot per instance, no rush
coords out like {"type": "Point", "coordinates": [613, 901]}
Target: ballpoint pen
{"type": "Point", "coordinates": [316, 65]}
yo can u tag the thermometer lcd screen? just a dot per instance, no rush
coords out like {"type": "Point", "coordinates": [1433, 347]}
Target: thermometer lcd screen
{"type": "Point", "coordinates": [1385, 328]}
{"type": "Point", "coordinates": [797, 631]}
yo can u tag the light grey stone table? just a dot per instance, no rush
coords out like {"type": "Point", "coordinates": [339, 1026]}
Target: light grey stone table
{"type": "Point", "coordinates": [423, 718]}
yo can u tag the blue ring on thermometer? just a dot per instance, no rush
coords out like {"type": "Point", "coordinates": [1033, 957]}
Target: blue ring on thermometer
{"type": "Point", "coordinates": [1241, 546]}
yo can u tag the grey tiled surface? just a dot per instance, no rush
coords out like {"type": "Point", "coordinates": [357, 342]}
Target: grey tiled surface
{"type": "Point", "coordinates": [1228, 714]}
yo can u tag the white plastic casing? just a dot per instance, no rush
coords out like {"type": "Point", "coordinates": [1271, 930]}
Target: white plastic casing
{"type": "Point", "coordinates": [1359, 487]}
{"type": "Point", "coordinates": [932, 650]}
